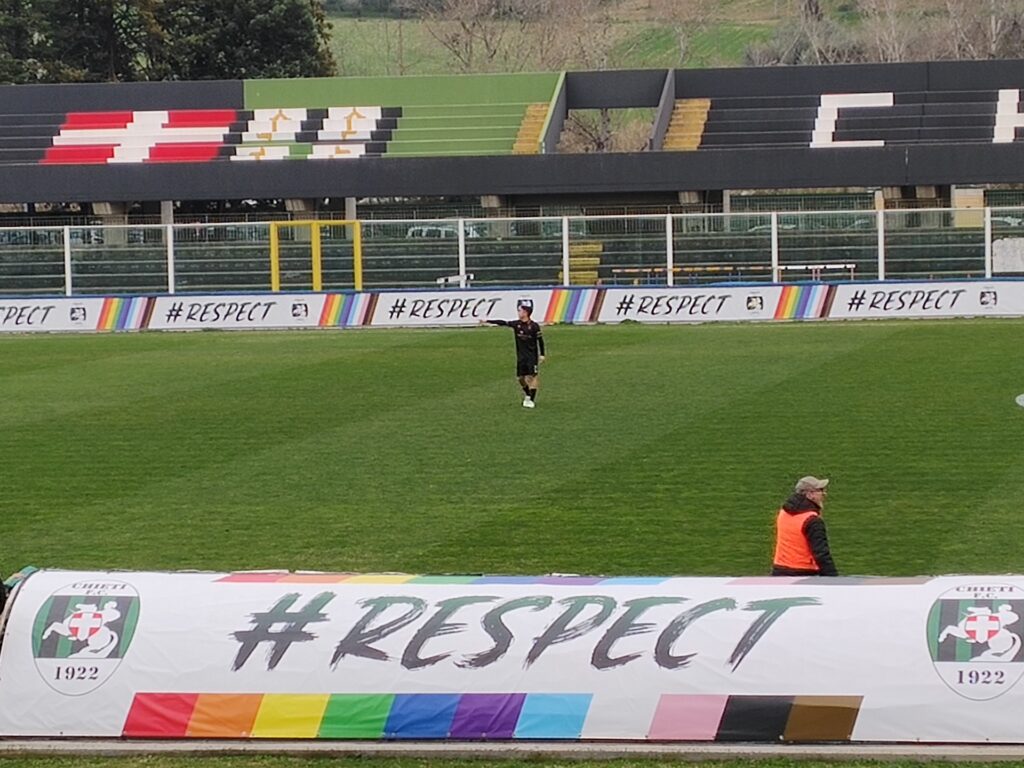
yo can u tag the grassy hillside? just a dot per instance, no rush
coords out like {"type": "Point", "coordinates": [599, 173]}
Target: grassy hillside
{"type": "Point", "coordinates": [632, 35]}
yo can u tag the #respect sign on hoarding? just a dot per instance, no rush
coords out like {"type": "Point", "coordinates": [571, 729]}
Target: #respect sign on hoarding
{"type": "Point", "coordinates": [478, 657]}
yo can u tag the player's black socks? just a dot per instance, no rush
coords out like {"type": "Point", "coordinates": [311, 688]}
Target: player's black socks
{"type": "Point", "coordinates": [526, 390]}
{"type": "Point", "coordinates": [533, 394]}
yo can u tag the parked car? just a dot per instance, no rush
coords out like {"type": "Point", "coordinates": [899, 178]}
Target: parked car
{"type": "Point", "coordinates": [443, 231]}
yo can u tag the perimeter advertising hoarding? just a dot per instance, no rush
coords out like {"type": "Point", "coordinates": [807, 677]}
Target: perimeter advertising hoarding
{"type": "Point", "coordinates": [467, 307]}
{"type": "Point", "coordinates": [386, 656]}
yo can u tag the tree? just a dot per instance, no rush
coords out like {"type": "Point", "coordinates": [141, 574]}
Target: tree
{"type": "Point", "coordinates": [249, 39]}
{"type": "Point", "coordinates": [64, 40]}
{"type": "Point", "coordinates": [17, 20]}
{"type": "Point", "coordinates": [112, 40]}
{"type": "Point", "coordinates": [985, 29]}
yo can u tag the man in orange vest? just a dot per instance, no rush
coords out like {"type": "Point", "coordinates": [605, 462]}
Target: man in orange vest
{"type": "Point", "coordinates": [801, 542]}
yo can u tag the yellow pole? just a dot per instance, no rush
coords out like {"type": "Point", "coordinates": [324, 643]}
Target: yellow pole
{"type": "Point", "coordinates": [357, 254]}
{"type": "Point", "coordinates": [316, 247]}
{"type": "Point", "coordinates": [275, 258]}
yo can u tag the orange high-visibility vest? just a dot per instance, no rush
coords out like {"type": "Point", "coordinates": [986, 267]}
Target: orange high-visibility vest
{"type": "Point", "coordinates": [792, 550]}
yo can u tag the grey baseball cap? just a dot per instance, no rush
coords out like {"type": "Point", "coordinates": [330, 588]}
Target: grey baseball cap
{"type": "Point", "coordinates": [811, 483]}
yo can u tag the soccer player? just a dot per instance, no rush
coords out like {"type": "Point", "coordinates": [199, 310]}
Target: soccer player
{"type": "Point", "coordinates": [529, 351]}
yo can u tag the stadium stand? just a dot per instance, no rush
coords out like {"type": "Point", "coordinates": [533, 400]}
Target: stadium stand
{"type": "Point", "coordinates": [779, 121]}
{"type": "Point", "coordinates": [924, 127]}
{"type": "Point", "coordinates": [329, 118]}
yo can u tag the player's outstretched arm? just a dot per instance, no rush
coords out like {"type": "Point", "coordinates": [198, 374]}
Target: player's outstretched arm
{"type": "Point", "coordinates": [495, 322]}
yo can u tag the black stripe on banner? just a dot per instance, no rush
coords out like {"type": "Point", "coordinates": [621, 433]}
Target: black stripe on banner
{"type": "Point", "coordinates": [376, 147]}
{"type": "Point", "coordinates": [380, 135]}
{"type": "Point", "coordinates": [755, 718]}
{"type": "Point", "coordinates": [307, 137]}
{"type": "Point", "coordinates": [391, 112]}
{"type": "Point", "coordinates": [317, 115]}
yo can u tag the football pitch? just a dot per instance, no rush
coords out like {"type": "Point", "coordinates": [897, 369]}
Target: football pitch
{"type": "Point", "coordinates": [653, 450]}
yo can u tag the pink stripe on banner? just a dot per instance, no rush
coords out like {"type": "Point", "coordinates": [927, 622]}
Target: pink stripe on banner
{"type": "Point", "coordinates": [685, 717]}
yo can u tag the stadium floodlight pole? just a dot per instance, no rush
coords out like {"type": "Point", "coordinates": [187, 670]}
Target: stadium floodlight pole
{"type": "Point", "coordinates": [462, 253]}
{"type": "Point", "coordinates": [170, 258]}
{"type": "Point", "coordinates": [669, 252]}
{"type": "Point", "coordinates": [565, 250]}
{"type": "Point", "coordinates": [776, 272]}
{"type": "Point", "coordinates": [880, 221]}
{"type": "Point", "coordinates": [67, 261]}
{"type": "Point", "coordinates": [988, 243]}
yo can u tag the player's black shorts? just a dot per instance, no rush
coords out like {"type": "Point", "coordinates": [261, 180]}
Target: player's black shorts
{"type": "Point", "coordinates": [526, 366]}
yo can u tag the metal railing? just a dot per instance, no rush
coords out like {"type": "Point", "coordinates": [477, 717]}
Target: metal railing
{"type": "Point", "coordinates": [663, 249]}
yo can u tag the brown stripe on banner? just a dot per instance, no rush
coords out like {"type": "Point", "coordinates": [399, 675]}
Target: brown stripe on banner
{"type": "Point", "coordinates": [598, 303]}
{"type": "Point", "coordinates": [830, 296]}
{"type": "Point", "coordinates": [822, 718]}
{"type": "Point", "coordinates": [371, 309]}
{"type": "Point", "coordinates": [148, 314]}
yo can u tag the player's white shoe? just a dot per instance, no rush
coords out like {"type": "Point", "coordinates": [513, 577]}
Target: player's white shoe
{"type": "Point", "coordinates": [528, 403]}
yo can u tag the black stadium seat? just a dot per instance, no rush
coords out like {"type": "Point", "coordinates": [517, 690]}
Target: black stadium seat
{"type": "Point", "coordinates": [912, 117]}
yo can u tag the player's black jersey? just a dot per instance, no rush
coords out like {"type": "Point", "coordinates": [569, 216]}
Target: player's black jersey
{"type": "Point", "coordinates": [529, 338]}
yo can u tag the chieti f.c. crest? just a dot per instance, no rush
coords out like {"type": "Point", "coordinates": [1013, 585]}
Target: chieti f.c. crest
{"type": "Point", "coordinates": [88, 624]}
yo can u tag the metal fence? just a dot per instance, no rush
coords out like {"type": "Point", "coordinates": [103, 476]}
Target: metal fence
{"type": "Point", "coordinates": [664, 249]}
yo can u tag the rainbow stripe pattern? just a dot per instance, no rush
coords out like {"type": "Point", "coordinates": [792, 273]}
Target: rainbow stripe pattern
{"type": "Point", "coordinates": [345, 310]}
{"type": "Point", "coordinates": [482, 716]}
{"type": "Point", "coordinates": [285, 577]}
{"type": "Point", "coordinates": [574, 305]}
{"type": "Point", "coordinates": [125, 314]}
{"type": "Point", "coordinates": [805, 302]}
{"type": "Point", "coordinates": [466, 716]}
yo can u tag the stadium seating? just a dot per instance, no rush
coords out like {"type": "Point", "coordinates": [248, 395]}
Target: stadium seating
{"type": "Point", "coordinates": [339, 118]}
{"type": "Point", "coordinates": [923, 117]}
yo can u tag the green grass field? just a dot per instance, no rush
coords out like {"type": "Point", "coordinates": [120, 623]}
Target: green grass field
{"type": "Point", "coordinates": [654, 450]}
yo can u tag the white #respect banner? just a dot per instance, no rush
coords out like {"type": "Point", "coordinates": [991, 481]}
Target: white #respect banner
{"type": "Point", "coordinates": [952, 299]}
{"type": "Point", "coordinates": [299, 655]}
{"type": "Point", "coordinates": [457, 307]}
{"type": "Point", "coordinates": [465, 307]}
{"type": "Point", "coordinates": [49, 315]}
{"type": "Point", "coordinates": [264, 310]}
